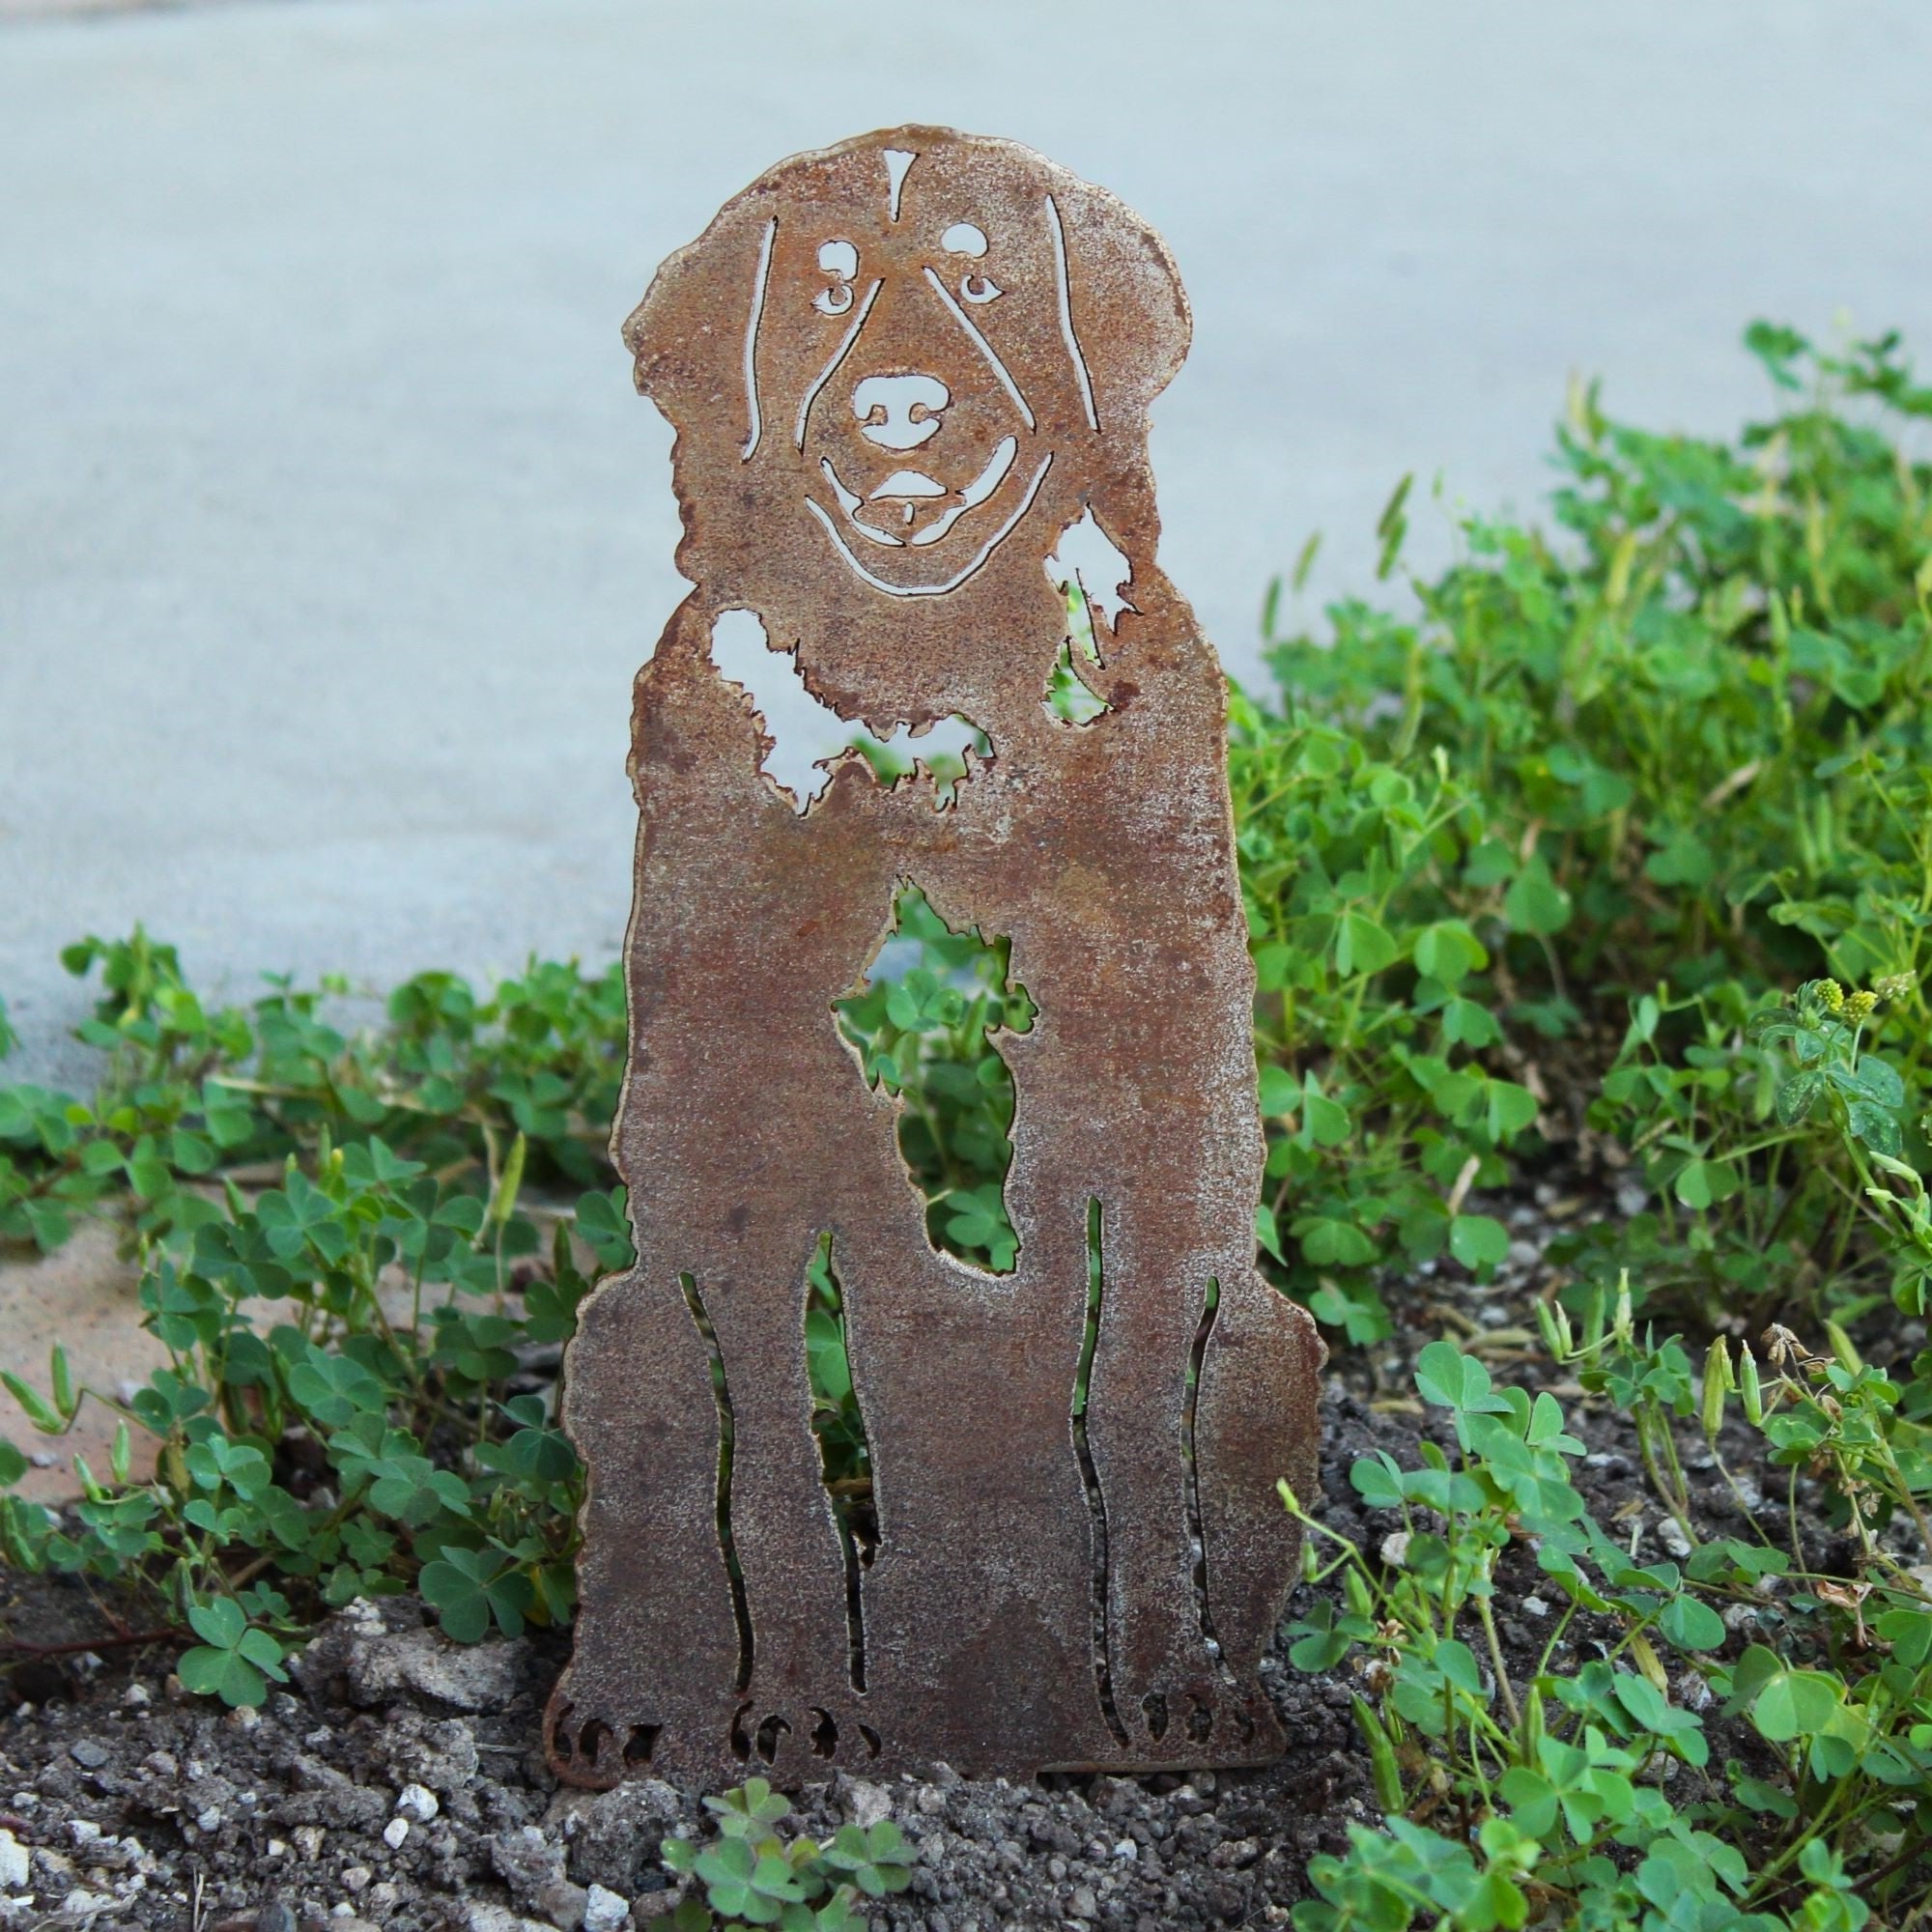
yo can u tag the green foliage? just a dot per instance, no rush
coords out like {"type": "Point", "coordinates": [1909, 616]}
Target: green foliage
{"type": "Point", "coordinates": [190, 1093]}
{"type": "Point", "coordinates": [927, 1035]}
{"type": "Point", "coordinates": [1639, 776]}
{"type": "Point", "coordinates": [752, 1876]}
{"type": "Point", "coordinates": [344, 1255]}
{"type": "Point", "coordinates": [1564, 1781]}
{"type": "Point", "coordinates": [1377, 901]}
{"type": "Point", "coordinates": [337, 1413]}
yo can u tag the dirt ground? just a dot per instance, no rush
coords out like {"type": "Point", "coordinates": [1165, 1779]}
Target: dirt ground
{"type": "Point", "coordinates": [399, 1781]}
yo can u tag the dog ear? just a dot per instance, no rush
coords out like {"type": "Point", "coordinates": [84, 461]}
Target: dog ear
{"type": "Point", "coordinates": [687, 337]}
{"type": "Point", "coordinates": [1130, 311]}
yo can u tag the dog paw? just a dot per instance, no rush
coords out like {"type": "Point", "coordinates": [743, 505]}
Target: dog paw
{"type": "Point", "coordinates": [589, 1749]}
{"type": "Point", "coordinates": [1207, 1715]}
{"type": "Point", "coordinates": [832, 1733]}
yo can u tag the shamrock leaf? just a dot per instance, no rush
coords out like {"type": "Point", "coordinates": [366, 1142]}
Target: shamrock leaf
{"type": "Point", "coordinates": [470, 1588]}
{"type": "Point", "coordinates": [234, 1660]}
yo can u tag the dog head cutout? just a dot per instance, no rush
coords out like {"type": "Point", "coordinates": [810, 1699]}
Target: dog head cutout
{"type": "Point", "coordinates": [899, 369]}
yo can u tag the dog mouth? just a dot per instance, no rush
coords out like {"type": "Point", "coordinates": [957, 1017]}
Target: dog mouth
{"type": "Point", "coordinates": [912, 509]}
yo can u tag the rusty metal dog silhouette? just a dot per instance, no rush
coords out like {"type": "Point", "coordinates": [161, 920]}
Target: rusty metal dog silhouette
{"type": "Point", "coordinates": [910, 378]}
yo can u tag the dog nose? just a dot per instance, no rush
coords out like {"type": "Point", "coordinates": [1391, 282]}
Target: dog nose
{"type": "Point", "coordinates": [900, 411]}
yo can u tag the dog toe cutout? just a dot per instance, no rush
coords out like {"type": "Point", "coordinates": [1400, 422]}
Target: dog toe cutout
{"type": "Point", "coordinates": [824, 1734]}
{"type": "Point", "coordinates": [769, 1733]}
{"type": "Point", "coordinates": [1153, 1709]}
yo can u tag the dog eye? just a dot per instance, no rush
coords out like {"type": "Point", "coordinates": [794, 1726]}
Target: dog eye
{"type": "Point", "coordinates": [840, 261]}
{"type": "Point", "coordinates": [978, 287]}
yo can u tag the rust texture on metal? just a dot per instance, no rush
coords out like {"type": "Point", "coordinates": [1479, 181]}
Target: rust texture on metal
{"type": "Point", "coordinates": [910, 378]}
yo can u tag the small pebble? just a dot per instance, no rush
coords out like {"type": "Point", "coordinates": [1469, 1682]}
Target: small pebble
{"type": "Point", "coordinates": [15, 1868]}
{"type": "Point", "coordinates": [1535, 1606]}
{"type": "Point", "coordinates": [417, 1802]}
{"type": "Point", "coordinates": [208, 1820]}
{"type": "Point", "coordinates": [605, 1911]}
{"type": "Point", "coordinates": [394, 1833]}
{"type": "Point", "coordinates": [88, 1755]}
{"type": "Point", "coordinates": [356, 1878]}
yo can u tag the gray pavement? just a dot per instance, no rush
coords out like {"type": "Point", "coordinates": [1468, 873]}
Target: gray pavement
{"type": "Point", "coordinates": [332, 531]}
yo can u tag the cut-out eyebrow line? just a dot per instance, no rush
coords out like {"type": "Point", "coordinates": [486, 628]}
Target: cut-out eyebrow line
{"type": "Point", "coordinates": [839, 356]}
{"type": "Point", "coordinates": [987, 549]}
{"type": "Point", "coordinates": [756, 427]}
{"type": "Point", "coordinates": [1066, 311]}
{"type": "Point", "coordinates": [984, 348]}
{"type": "Point", "coordinates": [899, 164]}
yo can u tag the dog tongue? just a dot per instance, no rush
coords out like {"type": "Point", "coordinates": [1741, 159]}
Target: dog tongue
{"type": "Point", "coordinates": [909, 483]}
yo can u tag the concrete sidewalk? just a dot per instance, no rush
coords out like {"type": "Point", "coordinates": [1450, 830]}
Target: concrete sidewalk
{"type": "Point", "coordinates": [331, 533]}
